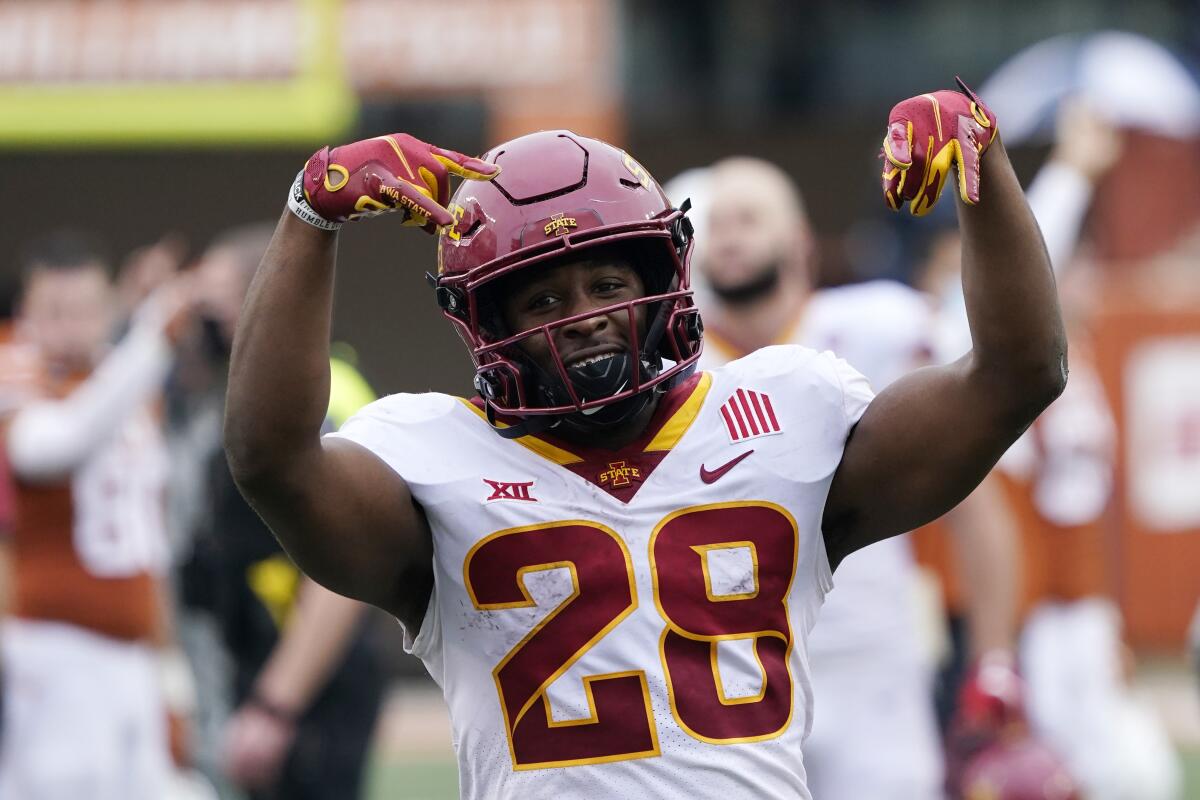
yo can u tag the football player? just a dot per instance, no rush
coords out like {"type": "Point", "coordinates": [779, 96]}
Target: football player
{"type": "Point", "coordinates": [84, 710]}
{"type": "Point", "coordinates": [608, 561]}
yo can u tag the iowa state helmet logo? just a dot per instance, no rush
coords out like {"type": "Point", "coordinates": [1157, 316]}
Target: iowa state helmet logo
{"type": "Point", "coordinates": [559, 224]}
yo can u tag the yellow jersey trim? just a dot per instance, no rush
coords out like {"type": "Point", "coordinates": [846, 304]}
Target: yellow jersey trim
{"type": "Point", "coordinates": [539, 446]}
{"type": "Point", "coordinates": [673, 430]}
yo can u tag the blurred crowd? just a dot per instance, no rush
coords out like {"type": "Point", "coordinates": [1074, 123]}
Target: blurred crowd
{"type": "Point", "coordinates": [158, 641]}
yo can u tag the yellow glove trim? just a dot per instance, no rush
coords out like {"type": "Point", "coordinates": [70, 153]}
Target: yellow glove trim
{"type": "Point", "coordinates": [431, 183]}
{"type": "Point", "coordinates": [400, 154]}
{"type": "Point", "coordinates": [340, 170]}
{"type": "Point", "coordinates": [937, 115]}
{"type": "Point", "coordinates": [962, 177]}
{"type": "Point", "coordinates": [979, 116]}
{"type": "Point", "coordinates": [455, 168]}
{"type": "Point", "coordinates": [936, 171]}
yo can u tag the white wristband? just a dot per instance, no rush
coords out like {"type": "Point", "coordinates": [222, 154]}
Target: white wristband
{"type": "Point", "coordinates": [298, 204]}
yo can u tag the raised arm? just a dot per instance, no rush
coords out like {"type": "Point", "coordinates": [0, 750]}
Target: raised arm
{"type": "Point", "coordinates": [49, 438]}
{"type": "Point", "coordinates": [343, 515]}
{"type": "Point", "coordinates": [927, 440]}
{"type": "Point", "coordinates": [1086, 147]}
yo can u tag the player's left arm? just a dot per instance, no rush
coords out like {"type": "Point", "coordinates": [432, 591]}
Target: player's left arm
{"type": "Point", "coordinates": [929, 439]}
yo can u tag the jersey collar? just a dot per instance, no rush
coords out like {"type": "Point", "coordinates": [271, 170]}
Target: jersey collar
{"type": "Point", "coordinates": [622, 472]}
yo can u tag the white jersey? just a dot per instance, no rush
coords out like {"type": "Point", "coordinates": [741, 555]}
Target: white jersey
{"type": "Point", "coordinates": [882, 329]}
{"type": "Point", "coordinates": [629, 624]}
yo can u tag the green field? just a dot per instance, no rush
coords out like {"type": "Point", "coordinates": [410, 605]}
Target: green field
{"type": "Point", "coordinates": [417, 780]}
{"type": "Point", "coordinates": [1191, 775]}
{"type": "Point", "coordinates": [413, 780]}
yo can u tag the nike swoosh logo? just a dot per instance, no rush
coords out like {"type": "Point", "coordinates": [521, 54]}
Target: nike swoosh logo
{"type": "Point", "coordinates": [714, 475]}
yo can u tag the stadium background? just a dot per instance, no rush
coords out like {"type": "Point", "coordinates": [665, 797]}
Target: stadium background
{"type": "Point", "coordinates": [138, 118]}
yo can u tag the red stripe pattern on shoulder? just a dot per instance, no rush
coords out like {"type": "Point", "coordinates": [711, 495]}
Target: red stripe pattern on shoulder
{"type": "Point", "coordinates": [748, 414]}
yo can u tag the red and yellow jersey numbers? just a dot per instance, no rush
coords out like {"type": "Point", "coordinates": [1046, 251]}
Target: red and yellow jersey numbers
{"type": "Point", "coordinates": [697, 615]}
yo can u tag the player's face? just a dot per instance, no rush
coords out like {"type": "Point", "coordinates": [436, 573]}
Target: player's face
{"type": "Point", "coordinates": [68, 315]}
{"type": "Point", "coordinates": [740, 244]}
{"type": "Point", "coordinates": [569, 289]}
{"type": "Point", "coordinates": [754, 227]}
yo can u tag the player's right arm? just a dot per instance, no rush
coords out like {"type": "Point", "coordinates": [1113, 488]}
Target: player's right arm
{"type": "Point", "coordinates": [346, 518]}
{"type": "Point", "coordinates": [342, 515]}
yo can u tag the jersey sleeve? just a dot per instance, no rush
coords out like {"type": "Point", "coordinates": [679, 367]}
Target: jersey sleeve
{"type": "Point", "coordinates": [818, 398]}
{"type": "Point", "coordinates": [402, 430]}
{"type": "Point", "coordinates": [856, 391]}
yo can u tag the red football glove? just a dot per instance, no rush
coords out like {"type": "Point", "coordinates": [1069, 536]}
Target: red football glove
{"type": "Point", "coordinates": [990, 710]}
{"type": "Point", "coordinates": [928, 133]}
{"type": "Point", "coordinates": [992, 695]}
{"type": "Point", "coordinates": [375, 176]}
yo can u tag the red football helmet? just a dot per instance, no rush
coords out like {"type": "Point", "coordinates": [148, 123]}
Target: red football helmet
{"type": "Point", "coordinates": [559, 194]}
{"type": "Point", "coordinates": [1020, 769]}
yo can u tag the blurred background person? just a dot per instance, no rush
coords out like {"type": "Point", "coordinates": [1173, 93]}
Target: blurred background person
{"type": "Point", "coordinates": [7, 515]}
{"type": "Point", "coordinates": [7, 518]}
{"type": "Point", "coordinates": [87, 632]}
{"type": "Point", "coordinates": [1194, 642]}
{"type": "Point", "coordinates": [873, 733]}
{"type": "Point", "coordinates": [306, 681]}
{"type": "Point", "coordinates": [1057, 483]}
{"type": "Point", "coordinates": [145, 270]}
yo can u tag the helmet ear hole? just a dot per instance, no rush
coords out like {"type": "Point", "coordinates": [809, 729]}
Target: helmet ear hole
{"type": "Point", "coordinates": [452, 301]}
{"type": "Point", "coordinates": [687, 329]}
{"type": "Point", "coordinates": [499, 383]}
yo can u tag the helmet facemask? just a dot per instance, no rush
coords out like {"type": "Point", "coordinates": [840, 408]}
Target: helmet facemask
{"type": "Point", "coordinates": [561, 197]}
{"type": "Point", "coordinates": [606, 390]}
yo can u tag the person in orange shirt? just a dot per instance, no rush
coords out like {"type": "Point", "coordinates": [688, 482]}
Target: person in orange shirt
{"type": "Point", "coordinates": [84, 715]}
